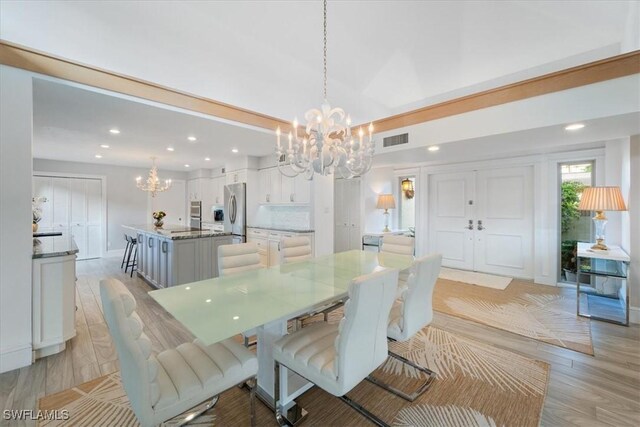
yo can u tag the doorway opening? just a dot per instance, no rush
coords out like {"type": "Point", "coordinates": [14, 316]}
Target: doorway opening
{"type": "Point", "coordinates": [575, 225]}
{"type": "Point", "coordinates": [407, 205]}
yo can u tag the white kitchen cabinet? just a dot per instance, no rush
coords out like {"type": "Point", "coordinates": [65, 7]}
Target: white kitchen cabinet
{"type": "Point", "coordinates": [273, 254]}
{"type": "Point", "coordinates": [275, 188]}
{"type": "Point", "coordinates": [236, 177]}
{"type": "Point", "coordinates": [206, 196]}
{"type": "Point", "coordinates": [217, 190]}
{"type": "Point", "coordinates": [53, 304]}
{"type": "Point", "coordinates": [260, 237]}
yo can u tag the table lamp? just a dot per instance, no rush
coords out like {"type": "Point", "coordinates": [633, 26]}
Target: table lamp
{"type": "Point", "coordinates": [386, 202]}
{"type": "Point", "coordinates": [601, 199]}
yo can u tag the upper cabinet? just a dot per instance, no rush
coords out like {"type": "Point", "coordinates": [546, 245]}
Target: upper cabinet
{"type": "Point", "coordinates": [218, 189]}
{"type": "Point", "coordinates": [237, 176]}
{"type": "Point", "coordinates": [275, 188]}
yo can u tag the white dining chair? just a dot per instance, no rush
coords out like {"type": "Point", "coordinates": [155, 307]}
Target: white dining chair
{"type": "Point", "coordinates": [295, 249]}
{"type": "Point", "coordinates": [401, 245]}
{"type": "Point", "coordinates": [336, 357]}
{"type": "Point", "coordinates": [167, 385]}
{"type": "Point", "coordinates": [238, 258]}
{"type": "Point", "coordinates": [411, 313]}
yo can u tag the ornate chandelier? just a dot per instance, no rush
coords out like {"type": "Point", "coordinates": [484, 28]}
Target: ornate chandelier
{"type": "Point", "coordinates": [327, 146]}
{"type": "Point", "coordinates": [152, 184]}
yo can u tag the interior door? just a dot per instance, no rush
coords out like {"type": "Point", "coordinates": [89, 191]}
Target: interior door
{"type": "Point", "coordinates": [60, 208]}
{"type": "Point", "coordinates": [42, 187]}
{"type": "Point", "coordinates": [171, 201]}
{"type": "Point", "coordinates": [504, 238]}
{"type": "Point", "coordinates": [94, 218]}
{"type": "Point", "coordinates": [451, 199]}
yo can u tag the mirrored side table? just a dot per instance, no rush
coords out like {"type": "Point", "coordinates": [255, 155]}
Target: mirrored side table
{"type": "Point", "coordinates": [606, 297]}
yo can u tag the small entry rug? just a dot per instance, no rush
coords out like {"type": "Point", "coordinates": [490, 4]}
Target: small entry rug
{"type": "Point", "coordinates": [474, 278]}
{"type": "Point", "coordinates": [476, 385]}
{"type": "Point", "coordinates": [544, 313]}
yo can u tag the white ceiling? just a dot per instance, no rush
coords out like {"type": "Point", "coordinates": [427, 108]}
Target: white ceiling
{"type": "Point", "coordinates": [71, 123]}
{"type": "Point", "coordinates": [385, 57]}
{"type": "Point", "coordinates": [541, 140]}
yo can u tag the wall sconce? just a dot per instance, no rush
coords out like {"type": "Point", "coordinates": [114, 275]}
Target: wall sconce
{"type": "Point", "coordinates": [407, 188]}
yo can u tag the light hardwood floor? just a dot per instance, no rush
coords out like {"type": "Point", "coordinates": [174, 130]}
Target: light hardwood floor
{"type": "Point", "coordinates": [583, 390]}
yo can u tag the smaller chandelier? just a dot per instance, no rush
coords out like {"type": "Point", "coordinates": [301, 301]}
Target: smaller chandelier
{"type": "Point", "coordinates": [153, 184]}
{"type": "Point", "coordinates": [327, 146]}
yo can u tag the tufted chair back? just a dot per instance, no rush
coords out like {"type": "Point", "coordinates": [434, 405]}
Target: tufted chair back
{"type": "Point", "coordinates": [139, 368]}
{"type": "Point", "coordinates": [416, 302]}
{"type": "Point", "coordinates": [361, 344]}
{"type": "Point", "coordinates": [237, 258]}
{"type": "Point", "coordinates": [294, 249]}
{"type": "Point", "coordinates": [402, 245]}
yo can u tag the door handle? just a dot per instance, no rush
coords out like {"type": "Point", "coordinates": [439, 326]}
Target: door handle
{"type": "Point", "coordinates": [291, 197]}
{"type": "Point", "coordinates": [150, 242]}
{"type": "Point", "coordinates": [164, 247]}
{"type": "Point", "coordinates": [470, 226]}
{"type": "Point", "coordinates": [480, 227]}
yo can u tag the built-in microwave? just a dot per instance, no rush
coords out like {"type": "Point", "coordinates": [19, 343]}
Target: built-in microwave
{"type": "Point", "coordinates": [218, 215]}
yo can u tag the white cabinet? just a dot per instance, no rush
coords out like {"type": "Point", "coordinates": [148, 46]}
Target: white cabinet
{"type": "Point", "coordinates": [54, 303]}
{"type": "Point", "coordinates": [74, 205]}
{"type": "Point", "coordinates": [275, 188]}
{"type": "Point", "coordinates": [236, 177]}
{"type": "Point", "coordinates": [268, 242]}
{"type": "Point", "coordinates": [217, 190]}
{"type": "Point", "coordinates": [347, 215]}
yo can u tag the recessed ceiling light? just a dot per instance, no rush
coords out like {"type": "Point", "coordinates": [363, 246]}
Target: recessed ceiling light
{"type": "Point", "coordinates": [114, 131]}
{"type": "Point", "coordinates": [433, 148]}
{"type": "Point", "coordinates": [574, 126]}
{"type": "Point", "coordinates": [104, 146]}
{"type": "Point", "coordinates": [170, 148]}
{"type": "Point", "coordinates": [98, 156]}
{"type": "Point", "coordinates": [191, 138]}
{"type": "Point", "coordinates": [206, 159]}
{"type": "Point", "coordinates": [187, 166]}
{"type": "Point", "coordinates": [234, 150]}
{"type": "Point", "coordinates": [236, 317]}
{"type": "Point", "coordinates": [208, 300]}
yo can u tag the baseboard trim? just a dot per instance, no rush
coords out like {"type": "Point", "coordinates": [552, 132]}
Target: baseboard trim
{"type": "Point", "coordinates": [114, 253]}
{"type": "Point", "coordinates": [15, 357]}
{"type": "Point", "coordinates": [634, 315]}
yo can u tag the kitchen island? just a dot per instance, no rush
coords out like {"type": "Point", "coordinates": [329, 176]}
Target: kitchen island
{"type": "Point", "coordinates": [54, 293]}
{"type": "Point", "coordinates": [175, 254]}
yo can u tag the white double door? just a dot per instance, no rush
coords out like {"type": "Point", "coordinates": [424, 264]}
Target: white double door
{"type": "Point", "coordinates": [74, 205]}
{"type": "Point", "coordinates": [483, 220]}
{"type": "Point", "coordinates": [347, 215]}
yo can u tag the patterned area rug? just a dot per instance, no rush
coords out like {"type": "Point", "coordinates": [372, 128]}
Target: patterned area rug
{"type": "Point", "coordinates": [544, 313]}
{"type": "Point", "coordinates": [476, 385]}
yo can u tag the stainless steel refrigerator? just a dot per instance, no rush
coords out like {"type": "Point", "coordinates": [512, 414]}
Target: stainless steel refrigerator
{"type": "Point", "coordinates": [235, 211]}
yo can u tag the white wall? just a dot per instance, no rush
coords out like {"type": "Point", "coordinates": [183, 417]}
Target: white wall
{"type": "Point", "coordinates": [617, 174]}
{"type": "Point", "coordinates": [634, 229]}
{"type": "Point", "coordinates": [126, 204]}
{"type": "Point", "coordinates": [378, 181]}
{"type": "Point", "coordinates": [16, 246]}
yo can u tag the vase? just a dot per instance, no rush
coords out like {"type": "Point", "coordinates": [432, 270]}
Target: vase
{"type": "Point", "coordinates": [34, 226]}
{"type": "Point", "coordinates": [158, 223]}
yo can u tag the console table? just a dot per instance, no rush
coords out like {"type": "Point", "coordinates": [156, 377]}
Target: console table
{"type": "Point", "coordinates": [603, 266]}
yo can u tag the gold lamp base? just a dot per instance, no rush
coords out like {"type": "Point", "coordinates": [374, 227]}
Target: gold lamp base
{"type": "Point", "coordinates": [600, 246]}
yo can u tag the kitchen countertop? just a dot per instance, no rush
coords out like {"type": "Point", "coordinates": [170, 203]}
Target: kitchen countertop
{"type": "Point", "coordinates": [175, 232]}
{"type": "Point", "coordinates": [287, 230]}
{"type": "Point", "coordinates": [52, 246]}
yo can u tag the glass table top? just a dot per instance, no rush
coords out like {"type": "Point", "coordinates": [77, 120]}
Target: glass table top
{"type": "Point", "coordinates": [219, 308]}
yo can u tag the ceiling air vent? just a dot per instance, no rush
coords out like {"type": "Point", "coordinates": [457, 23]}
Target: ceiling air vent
{"type": "Point", "coordinates": [390, 141]}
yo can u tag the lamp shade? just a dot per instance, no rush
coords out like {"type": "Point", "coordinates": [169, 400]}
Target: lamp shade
{"type": "Point", "coordinates": [386, 201]}
{"type": "Point", "coordinates": [602, 199]}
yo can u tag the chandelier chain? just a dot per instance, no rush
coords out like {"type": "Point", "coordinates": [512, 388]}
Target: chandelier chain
{"type": "Point", "coordinates": [325, 49]}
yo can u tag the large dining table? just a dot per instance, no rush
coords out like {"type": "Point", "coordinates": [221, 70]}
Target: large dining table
{"type": "Point", "coordinates": [264, 300]}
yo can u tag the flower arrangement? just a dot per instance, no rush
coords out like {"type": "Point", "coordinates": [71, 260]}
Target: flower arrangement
{"type": "Point", "coordinates": [159, 216]}
{"type": "Point", "coordinates": [36, 210]}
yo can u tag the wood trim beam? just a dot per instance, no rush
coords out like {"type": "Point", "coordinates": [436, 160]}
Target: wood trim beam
{"type": "Point", "coordinates": [43, 63]}
{"type": "Point", "coordinates": [39, 62]}
{"type": "Point", "coordinates": [582, 75]}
